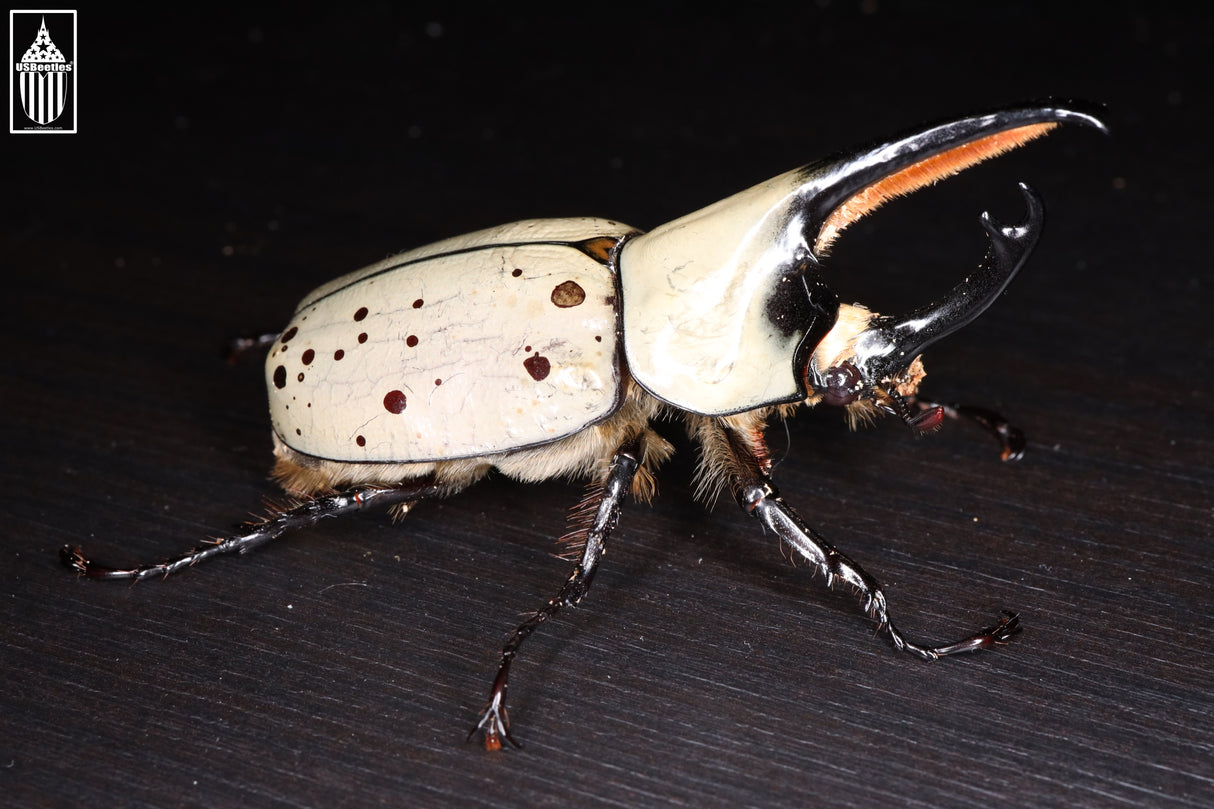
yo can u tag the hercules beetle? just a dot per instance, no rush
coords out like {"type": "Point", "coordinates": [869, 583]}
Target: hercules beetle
{"type": "Point", "coordinates": [546, 348]}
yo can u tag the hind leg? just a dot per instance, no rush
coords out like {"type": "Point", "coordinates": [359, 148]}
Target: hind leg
{"type": "Point", "coordinates": [274, 525]}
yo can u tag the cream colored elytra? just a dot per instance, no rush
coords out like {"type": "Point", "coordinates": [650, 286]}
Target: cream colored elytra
{"type": "Point", "coordinates": [490, 342]}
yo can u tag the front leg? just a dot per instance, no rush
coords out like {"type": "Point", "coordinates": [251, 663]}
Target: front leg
{"type": "Point", "coordinates": [741, 455]}
{"type": "Point", "coordinates": [1010, 437]}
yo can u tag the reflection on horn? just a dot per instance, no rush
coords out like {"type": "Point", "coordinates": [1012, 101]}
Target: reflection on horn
{"type": "Point", "coordinates": [891, 342]}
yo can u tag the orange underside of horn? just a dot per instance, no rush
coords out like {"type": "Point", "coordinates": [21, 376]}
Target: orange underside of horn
{"type": "Point", "coordinates": [925, 172]}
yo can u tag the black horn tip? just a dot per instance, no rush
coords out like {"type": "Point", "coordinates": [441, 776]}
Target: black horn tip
{"type": "Point", "coordinates": [1011, 243]}
{"type": "Point", "coordinates": [1033, 222]}
{"type": "Point", "coordinates": [1082, 113]}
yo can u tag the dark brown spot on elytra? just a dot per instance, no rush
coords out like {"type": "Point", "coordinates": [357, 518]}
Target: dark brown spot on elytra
{"type": "Point", "coordinates": [338, 354]}
{"type": "Point", "coordinates": [298, 431]}
{"type": "Point", "coordinates": [598, 338]}
{"type": "Point", "coordinates": [362, 442]}
{"type": "Point", "coordinates": [300, 377]}
{"type": "Point", "coordinates": [308, 356]}
{"type": "Point", "coordinates": [291, 332]}
{"type": "Point", "coordinates": [411, 340]}
{"type": "Point", "coordinates": [609, 300]}
{"type": "Point", "coordinates": [361, 313]}
{"type": "Point", "coordinates": [417, 304]}
{"type": "Point", "coordinates": [280, 377]}
{"type": "Point", "coordinates": [394, 401]}
{"type": "Point", "coordinates": [539, 367]}
{"type": "Point", "coordinates": [437, 382]}
{"type": "Point", "coordinates": [517, 273]}
{"type": "Point", "coordinates": [568, 294]}
{"type": "Point", "coordinates": [362, 338]}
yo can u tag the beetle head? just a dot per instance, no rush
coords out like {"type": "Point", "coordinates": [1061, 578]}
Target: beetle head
{"type": "Point", "coordinates": [871, 363]}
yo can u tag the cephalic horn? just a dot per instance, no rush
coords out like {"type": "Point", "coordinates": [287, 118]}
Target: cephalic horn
{"type": "Point", "coordinates": [890, 343]}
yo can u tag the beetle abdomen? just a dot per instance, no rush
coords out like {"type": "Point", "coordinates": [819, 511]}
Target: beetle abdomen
{"type": "Point", "coordinates": [488, 343]}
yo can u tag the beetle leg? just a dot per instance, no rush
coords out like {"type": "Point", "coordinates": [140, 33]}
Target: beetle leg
{"type": "Point", "coordinates": [758, 497]}
{"type": "Point", "coordinates": [238, 347]}
{"type": "Point", "coordinates": [274, 525]}
{"type": "Point", "coordinates": [495, 722]}
{"type": "Point", "coordinates": [1010, 437]}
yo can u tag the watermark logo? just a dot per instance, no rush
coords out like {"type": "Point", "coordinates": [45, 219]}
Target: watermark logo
{"type": "Point", "coordinates": [43, 82]}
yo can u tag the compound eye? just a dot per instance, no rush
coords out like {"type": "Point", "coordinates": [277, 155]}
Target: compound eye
{"type": "Point", "coordinates": [844, 382]}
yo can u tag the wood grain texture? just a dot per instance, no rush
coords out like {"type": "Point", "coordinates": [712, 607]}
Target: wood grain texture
{"type": "Point", "coordinates": [228, 162]}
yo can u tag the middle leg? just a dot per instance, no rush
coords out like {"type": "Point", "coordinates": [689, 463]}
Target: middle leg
{"type": "Point", "coordinates": [495, 721]}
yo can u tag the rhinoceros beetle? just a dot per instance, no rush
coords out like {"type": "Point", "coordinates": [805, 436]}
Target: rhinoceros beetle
{"type": "Point", "coordinates": [546, 348]}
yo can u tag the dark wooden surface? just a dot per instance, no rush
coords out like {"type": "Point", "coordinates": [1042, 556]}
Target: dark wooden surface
{"type": "Point", "coordinates": [229, 161]}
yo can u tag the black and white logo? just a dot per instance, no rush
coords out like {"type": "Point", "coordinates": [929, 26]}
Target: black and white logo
{"type": "Point", "coordinates": [42, 89]}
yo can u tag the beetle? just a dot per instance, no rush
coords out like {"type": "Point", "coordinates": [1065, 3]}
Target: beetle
{"type": "Point", "coordinates": [546, 348]}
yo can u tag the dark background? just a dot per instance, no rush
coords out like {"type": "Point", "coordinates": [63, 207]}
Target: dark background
{"type": "Point", "coordinates": [228, 161]}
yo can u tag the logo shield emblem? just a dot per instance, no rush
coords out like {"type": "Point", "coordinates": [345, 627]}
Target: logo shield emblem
{"type": "Point", "coordinates": [43, 94]}
{"type": "Point", "coordinates": [43, 82]}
